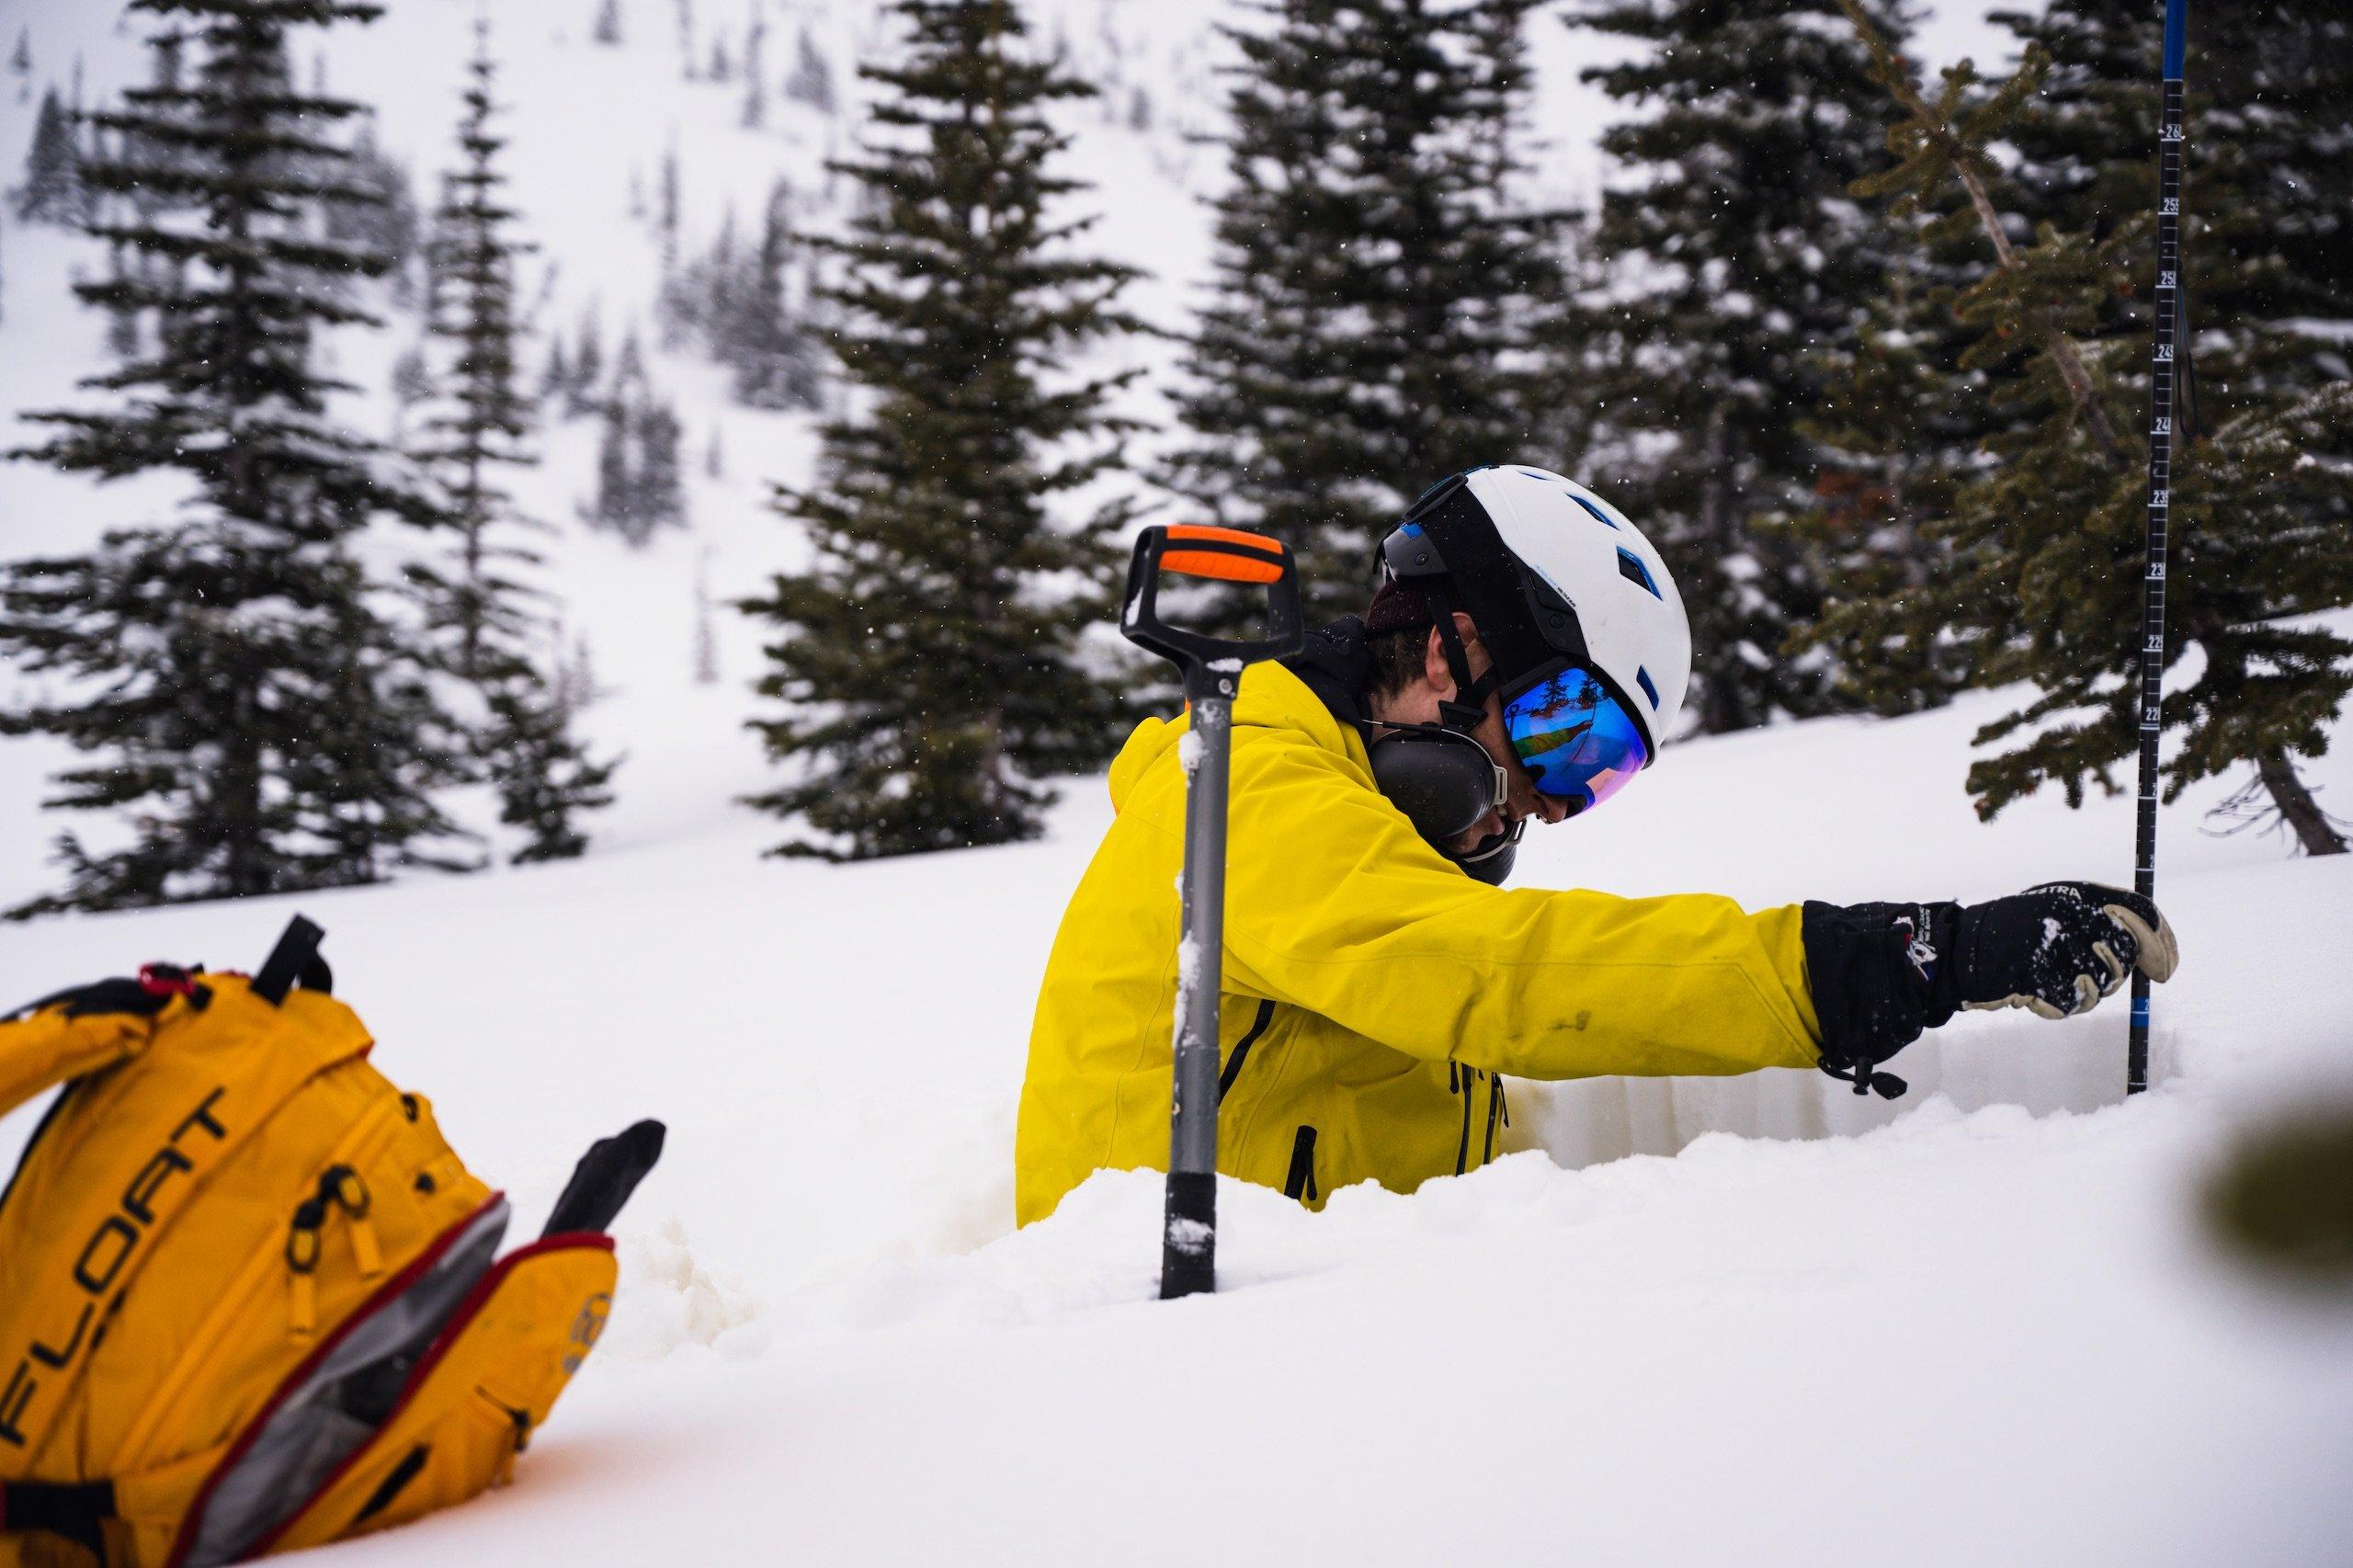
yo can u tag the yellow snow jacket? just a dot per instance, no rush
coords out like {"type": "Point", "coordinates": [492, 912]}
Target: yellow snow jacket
{"type": "Point", "coordinates": [1373, 993]}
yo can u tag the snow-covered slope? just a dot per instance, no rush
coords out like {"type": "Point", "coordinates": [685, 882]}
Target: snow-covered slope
{"type": "Point", "coordinates": [1750, 1322]}
{"type": "Point", "coordinates": [1987, 1329]}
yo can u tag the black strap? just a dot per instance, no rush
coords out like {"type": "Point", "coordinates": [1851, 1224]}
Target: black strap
{"type": "Point", "coordinates": [72, 1509]}
{"type": "Point", "coordinates": [1300, 1183]}
{"type": "Point", "coordinates": [604, 1177]}
{"type": "Point", "coordinates": [296, 957]}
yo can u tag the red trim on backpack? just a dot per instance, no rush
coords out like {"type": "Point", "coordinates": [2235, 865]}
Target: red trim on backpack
{"type": "Point", "coordinates": [186, 1539]}
{"type": "Point", "coordinates": [468, 1310]}
{"type": "Point", "coordinates": [166, 980]}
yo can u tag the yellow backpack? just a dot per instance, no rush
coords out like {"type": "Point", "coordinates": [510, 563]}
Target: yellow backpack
{"type": "Point", "coordinates": [252, 1302]}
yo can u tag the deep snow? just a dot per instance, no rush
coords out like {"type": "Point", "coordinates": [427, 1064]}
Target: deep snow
{"type": "Point", "coordinates": [1741, 1321]}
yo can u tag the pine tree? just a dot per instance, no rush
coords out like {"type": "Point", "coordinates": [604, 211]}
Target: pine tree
{"type": "Point", "coordinates": [544, 777]}
{"type": "Point", "coordinates": [812, 78]}
{"type": "Point", "coordinates": [259, 724]}
{"type": "Point", "coordinates": [640, 481]}
{"type": "Point", "coordinates": [756, 80]}
{"type": "Point", "coordinates": [555, 381]}
{"type": "Point", "coordinates": [931, 653]}
{"type": "Point", "coordinates": [388, 223]}
{"type": "Point", "coordinates": [53, 192]}
{"type": "Point", "coordinates": [774, 356]}
{"type": "Point", "coordinates": [1376, 279]}
{"type": "Point", "coordinates": [1736, 255]}
{"type": "Point", "coordinates": [411, 383]}
{"type": "Point", "coordinates": [666, 217]}
{"type": "Point", "coordinates": [483, 425]}
{"type": "Point", "coordinates": [588, 367]}
{"type": "Point", "coordinates": [607, 28]}
{"type": "Point", "coordinates": [2052, 535]}
{"type": "Point", "coordinates": [1894, 436]}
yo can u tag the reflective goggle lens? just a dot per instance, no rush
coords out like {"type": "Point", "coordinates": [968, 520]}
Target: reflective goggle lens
{"type": "Point", "coordinates": [1576, 740]}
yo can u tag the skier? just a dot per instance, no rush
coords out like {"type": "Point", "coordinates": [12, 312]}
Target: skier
{"type": "Point", "coordinates": [1523, 657]}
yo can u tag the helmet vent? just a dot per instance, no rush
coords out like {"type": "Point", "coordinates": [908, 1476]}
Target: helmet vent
{"type": "Point", "coordinates": [1631, 567]}
{"type": "Point", "coordinates": [1599, 516]}
{"type": "Point", "coordinates": [1643, 680]}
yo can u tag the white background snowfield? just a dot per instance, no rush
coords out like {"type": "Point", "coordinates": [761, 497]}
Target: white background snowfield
{"type": "Point", "coordinates": [1751, 1322]}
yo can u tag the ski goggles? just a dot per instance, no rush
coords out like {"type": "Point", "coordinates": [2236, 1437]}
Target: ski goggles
{"type": "Point", "coordinates": [1578, 741]}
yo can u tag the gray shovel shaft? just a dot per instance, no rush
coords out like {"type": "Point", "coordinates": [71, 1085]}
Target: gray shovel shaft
{"type": "Point", "coordinates": [1192, 1148]}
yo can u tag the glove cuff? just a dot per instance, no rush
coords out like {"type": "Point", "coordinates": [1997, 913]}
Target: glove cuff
{"type": "Point", "coordinates": [1877, 978]}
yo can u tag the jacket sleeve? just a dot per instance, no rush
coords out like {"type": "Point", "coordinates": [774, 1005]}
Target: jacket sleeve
{"type": "Point", "coordinates": [1334, 904]}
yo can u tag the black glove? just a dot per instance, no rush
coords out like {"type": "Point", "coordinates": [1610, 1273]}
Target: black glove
{"type": "Point", "coordinates": [1881, 973]}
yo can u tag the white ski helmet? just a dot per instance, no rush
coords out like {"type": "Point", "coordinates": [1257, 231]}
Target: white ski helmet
{"type": "Point", "coordinates": [1568, 597]}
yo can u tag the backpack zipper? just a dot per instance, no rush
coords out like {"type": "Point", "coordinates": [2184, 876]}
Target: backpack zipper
{"type": "Point", "coordinates": [361, 1142]}
{"type": "Point", "coordinates": [339, 1187]}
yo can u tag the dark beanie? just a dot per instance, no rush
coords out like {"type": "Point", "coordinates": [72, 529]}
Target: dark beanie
{"type": "Point", "coordinates": [1396, 607]}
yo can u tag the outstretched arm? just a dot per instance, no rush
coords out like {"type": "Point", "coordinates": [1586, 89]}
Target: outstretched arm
{"type": "Point", "coordinates": [1336, 905]}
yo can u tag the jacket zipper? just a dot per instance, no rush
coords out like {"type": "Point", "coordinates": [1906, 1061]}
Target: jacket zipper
{"type": "Point", "coordinates": [1242, 1048]}
{"type": "Point", "coordinates": [1496, 1112]}
{"type": "Point", "coordinates": [1463, 1080]}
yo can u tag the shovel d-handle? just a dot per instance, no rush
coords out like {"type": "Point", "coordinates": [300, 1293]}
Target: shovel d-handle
{"type": "Point", "coordinates": [1212, 669]}
{"type": "Point", "coordinates": [1225, 555]}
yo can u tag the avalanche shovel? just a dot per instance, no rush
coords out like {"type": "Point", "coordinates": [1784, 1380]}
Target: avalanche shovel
{"type": "Point", "coordinates": [1213, 671]}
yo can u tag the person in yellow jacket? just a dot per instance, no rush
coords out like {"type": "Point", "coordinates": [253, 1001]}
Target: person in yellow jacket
{"type": "Point", "coordinates": [1523, 658]}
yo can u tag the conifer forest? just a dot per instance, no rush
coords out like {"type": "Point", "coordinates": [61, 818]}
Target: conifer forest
{"type": "Point", "coordinates": [1856, 339]}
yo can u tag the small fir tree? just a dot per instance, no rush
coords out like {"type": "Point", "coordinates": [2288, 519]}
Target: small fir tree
{"type": "Point", "coordinates": [773, 353]}
{"type": "Point", "coordinates": [256, 720]}
{"type": "Point", "coordinates": [588, 367]}
{"type": "Point", "coordinates": [1376, 279]}
{"type": "Point", "coordinates": [606, 29]}
{"type": "Point", "coordinates": [931, 654]}
{"type": "Point", "coordinates": [53, 192]}
{"type": "Point", "coordinates": [477, 604]}
{"type": "Point", "coordinates": [811, 80]}
{"type": "Point", "coordinates": [756, 78]}
{"type": "Point", "coordinates": [388, 223]}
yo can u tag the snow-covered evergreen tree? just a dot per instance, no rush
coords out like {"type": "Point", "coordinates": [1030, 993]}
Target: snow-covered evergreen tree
{"type": "Point", "coordinates": [606, 29]}
{"type": "Point", "coordinates": [2052, 535]}
{"type": "Point", "coordinates": [52, 190]}
{"type": "Point", "coordinates": [256, 722]}
{"type": "Point", "coordinates": [755, 81]}
{"type": "Point", "coordinates": [1376, 277]}
{"type": "Point", "coordinates": [773, 354]}
{"type": "Point", "coordinates": [1738, 255]}
{"type": "Point", "coordinates": [931, 653]}
{"type": "Point", "coordinates": [640, 481]}
{"type": "Point", "coordinates": [389, 224]}
{"type": "Point", "coordinates": [811, 80]}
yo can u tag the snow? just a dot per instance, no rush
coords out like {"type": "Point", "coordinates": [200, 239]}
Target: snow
{"type": "Point", "coordinates": [1753, 1322]}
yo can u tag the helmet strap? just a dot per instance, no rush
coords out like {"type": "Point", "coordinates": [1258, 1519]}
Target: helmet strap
{"type": "Point", "coordinates": [1469, 705]}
